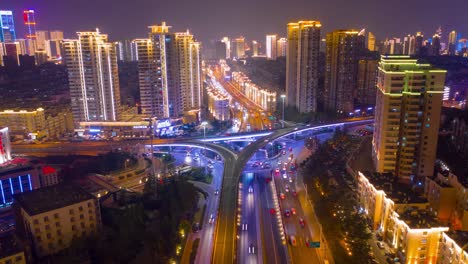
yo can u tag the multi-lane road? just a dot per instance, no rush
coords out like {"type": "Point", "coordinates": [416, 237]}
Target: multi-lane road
{"type": "Point", "coordinates": [225, 226]}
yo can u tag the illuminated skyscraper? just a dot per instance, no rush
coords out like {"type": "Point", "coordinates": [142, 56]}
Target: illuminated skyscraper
{"type": "Point", "coordinates": [370, 41]}
{"type": "Point", "coordinates": [30, 23]}
{"type": "Point", "coordinates": [169, 72]}
{"type": "Point", "coordinates": [188, 67]}
{"type": "Point", "coordinates": [93, 77]}
{"type": "Point", "coordinates": [343, 50]}
{"type": "Point", "coordinates": [239, 47]}
{"type": "Point", "coordinates": [7, 26]}
{"type": "Point", "coordinates": [366, 80]}
{"type": "Point", "coordinates": [220, 50]}
{"type": "Point", "coordinates": [56, 35]}
{"type": "Point", "coordinates": [282, 47]}
{"type": "Point", "coordinates": [254, 48]}
{"type": "Point", "coordinates": [452, 42]}
{"type": "Point", "coordinates": [418, 43]}
{"type": "Point", "coordinates": [271, 47]}
{"type": "Point", "coordinates": [435, 45]}
{"type": "Point", "coordinates": [41, 37]}
{"type": "Point", "coordinates": [302, 65]}
{"type": "Point", "coordinates": [407, 116]}
{"type": "Point", "coordinates": [227, 43]}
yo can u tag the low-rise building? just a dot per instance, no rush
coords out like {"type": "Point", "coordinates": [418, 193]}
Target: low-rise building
{"type": "Point", "coordinates": [453, 248]}
{"type": "Point", "coordinates": [218, 104]}
{"type": "Point", "coordinates": [16, 178]}
{"type": "Point", "coordinates": [11, 252]}
{"type": "Point", "coordinates": [50, 218]}
{"type": "Point", "coordinates": [402, 217]}
{"type": "Point", "coordinates": [24, 122]}
{"type": "Point", "coordinates": [448, 197]}
{"type": "Point", "coordinates": [264, 98]}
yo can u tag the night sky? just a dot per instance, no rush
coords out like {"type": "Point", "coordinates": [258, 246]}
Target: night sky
{"type": "Point", "coordinates": [212, 19]}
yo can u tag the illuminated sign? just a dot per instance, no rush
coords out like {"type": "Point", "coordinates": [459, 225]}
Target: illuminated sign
{"type": "Point", "coordinates": [163, 124]}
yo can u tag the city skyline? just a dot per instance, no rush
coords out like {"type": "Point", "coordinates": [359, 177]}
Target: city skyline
{"type": "Point", "coordinates": [237, 22]}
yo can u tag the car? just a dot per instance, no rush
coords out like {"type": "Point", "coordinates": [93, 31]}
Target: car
{"type": "Point", "coordinates": [197, 155]}
{"type": "Point", "coordinates": [283, 152]}
{"type": "Point", "coordinates": [287, 213]}
{"type": "Point", "coordinates": [380, 245]}
{"type": "Point", "coordinates": [266, 166]}
{"type": "Point", "coordinates": [196, 227]}
{"type": "Point", "coordinates": [272, 211]}
{"type": "Point", "coordinates": [308, 242]}
{"type": "Point", "coordinates": [285, 176]}
{"type": "Point", "coordinates": [301, 222]}
{"type": "Point", "coordinates": [196, 158]}
{"type": "Point", "coordinates": [211, 221]}
{"type": "Point", "coordinates": [254, 165]}
{"type": "Point", "coordinates": [216, 192]}
{"type": "Point", "coordinates": [290, 180]}
{"type": "Point", "coordinates": [293, 241]}
{"type": "Point", "coordinates": [251, 248]}
{"type": "Point", "coordinates": [293, 211]}
{"type": "Point", "coordinates": [290, 149]}
{"type": "Point", "coordinates": [280, 162]}
{"type": "Point", "coordinates": [188, 154]}
{"type": "Point", "coordinates": [294, 193]}
{"type": "Point", "coordinates": [282, 196]}
{"type": "Point", "coordinates": [277, 172]}
{"type": "Point", "coordinates": [210, 166]}
{"type": "Point", "coordinates": [250, 189]}
{"type": "Point", "coordinates": [210, 162]}
{"type": "Point", "coordinates": [286, 188]}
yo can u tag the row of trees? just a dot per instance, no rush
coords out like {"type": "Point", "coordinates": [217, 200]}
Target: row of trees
{"type": "Point", "coordinates": [334, 203]}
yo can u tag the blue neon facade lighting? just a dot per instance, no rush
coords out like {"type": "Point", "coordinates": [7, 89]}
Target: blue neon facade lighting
{"type": "Point", "coordinates": [21, 185]}
{"type": "Point", "coordinates": [29, 180]}
{"type": "Point", "coordinates": [14, 185]}
{"type": "Point", "coordinates": [7, 26]}
{"type": "Point", "coordinates": [3, 194]}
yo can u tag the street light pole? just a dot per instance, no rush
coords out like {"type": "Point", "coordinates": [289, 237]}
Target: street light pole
{"type": "Point", "coordinates": [283, 96]}
{"type": "Point", "coordinates": [204, 123]}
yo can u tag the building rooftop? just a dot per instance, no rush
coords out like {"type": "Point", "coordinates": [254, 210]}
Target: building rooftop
{"type": "Point", "coordinates": [14, 168]}
{"type": "Point", "coordinates": [400, 193]}
{"type": "Point", "coordinates": [9, 246]}
{"type": "Point", "coordinates": [51, 198]}
{"type": "Point", "coordinates": [418, 218]}
{"type": "Point", "coordinates": [460, 237]}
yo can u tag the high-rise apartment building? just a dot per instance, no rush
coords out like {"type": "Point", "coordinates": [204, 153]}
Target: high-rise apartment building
{"type": "Point", "coordinates": [407, 115]}
{"type": "Point", "coordinates": [41, 37]}
{"type": "Point", "coordinates": [452, 43]}
{"type": "Point", "coordinates": [52, 217]}
{"type": "Point", "coordinates": [30, 23]}
{"type": "Point", "coordinates": [254, 48]}
{"type": "Point", "coordinates": [343, 50]}
{"type": "Point", "coordinates": [271, 50]}
{"type": "Point", "coordinates": [93, 77]}
{"type": "Point", "coordinates": [435, 45]}
{"type": "Point", "coordinates": [220, 50]}
{"type": "Point", "coordinates": [188, 69]}
{"type": "Point", "coordinates": [169, 68]}
{"type": "Point", "coordinates": [7, 26]}
{"type": "Point", "coordinates": [238, 47]}
{"type": "Point", "coordinates": [227, 42]}
{"type": "Point", "coordinates": [371, 41]}
{"type": "Point", "coordinates": [418, 43]}
{"type": "Point", "coordinates": [302, 65]}
{"type": "Point", "coordinates": [125, 50]}
{"type": "Point", "coordinates": [409, 45]}
{"type": "Point", "coordinates": [56, 35]}
{"type": "Point", "coordinates": [366, 82]}
{"type": "Point", "coordinates": [282, 47]}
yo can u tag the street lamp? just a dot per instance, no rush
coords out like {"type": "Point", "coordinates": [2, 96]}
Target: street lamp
{"type": "Point", "coordinates": [283, 96]}
{"type": "Point", "coordinates": [204, 124]}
